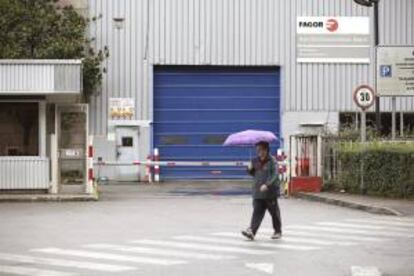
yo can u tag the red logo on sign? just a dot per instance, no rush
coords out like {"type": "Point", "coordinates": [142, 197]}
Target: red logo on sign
{"type": "Point", "coordinates": [331, 25]}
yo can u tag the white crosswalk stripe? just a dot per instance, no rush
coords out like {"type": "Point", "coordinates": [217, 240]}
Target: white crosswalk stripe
{"type": "Point", "coordinates": [108, 256]}
{"type": "Point", "coordinates": [161, 252]}
{"type": "Point", "coordinates": [244, 243]}
{"type": "Point", "coordinates": [383, 222]}
{"type": "Point", "coordinates": [328, 235]}
{"type": "Point", "coordinates": [19, 270]}
{"type": "Point", "coordinates": [204, 247]}
{"type": "Point", "coordinates": [364, 226]}
{"type": "Point", "coordinates": [351, 231]}
{"type": "Point", "coordinates": [293, 239]}
{"type": "Point", "coordinates": [64, 263]}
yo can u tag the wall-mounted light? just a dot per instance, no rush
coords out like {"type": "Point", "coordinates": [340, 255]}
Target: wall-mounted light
{"type": "Point", "coordinates": [119, 22]}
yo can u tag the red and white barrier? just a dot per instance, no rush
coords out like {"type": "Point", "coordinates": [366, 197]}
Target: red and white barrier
{"type": "Point", "coordinates": [178, 163]}
{"type": "Point", "coordinates": [156, 166]}
{"type": "Point", "coordinates": [90, 181]}
{"type": "Point", "coordinates": [148, 173]}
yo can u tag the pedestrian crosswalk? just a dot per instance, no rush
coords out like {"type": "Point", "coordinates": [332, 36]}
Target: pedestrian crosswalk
{"type": "Point", "coordinates": [220, 246]}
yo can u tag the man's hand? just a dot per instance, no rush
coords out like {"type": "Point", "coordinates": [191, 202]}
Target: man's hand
{"type": "Point", "coordinates": [263, 188]}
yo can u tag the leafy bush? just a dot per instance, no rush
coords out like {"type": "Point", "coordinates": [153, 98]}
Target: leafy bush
{"type": "Point", "coordinates": [388, 168]}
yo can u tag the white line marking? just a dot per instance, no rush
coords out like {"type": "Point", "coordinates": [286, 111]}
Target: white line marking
{"type": "Point", "coordinates": [245, 243]}
{"type": "Point", "coordinates": [288, 238]}
{"type": "Point", "coordinates": [345, 231]}
{"type": "Point", "coordinates": [382, 222]}
{"type": "Point", "coordinates": [200, 246]}
{"type": "Point", "coordinates": [365, 271]}
{"type": "Point", "coordinates": [107, 256]}
{"type": "Point", "coordinates": [64, 263]}
{"type": "Point", "coordinates": [31, 271]}
{"type": "Point", "coordinates": [161, 252]}
{"type": "Point", "coordinates": [333, 236]}
{"type": "Point", "coordinates": [264, 267]}
{"type": "Point", "coordinates": [364, 226]}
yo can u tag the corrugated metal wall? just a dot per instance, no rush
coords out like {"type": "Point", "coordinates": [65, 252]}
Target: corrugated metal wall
{"type": "Point", "coordinates": [40, 76]}
{"type": "Point", "coordinates": [232, 32]}
{"type": "Point", "coordinates": [24, 173]}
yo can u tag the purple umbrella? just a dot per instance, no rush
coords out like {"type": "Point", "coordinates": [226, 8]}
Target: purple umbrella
{"type": "Point", "coordinates": [249, 137]}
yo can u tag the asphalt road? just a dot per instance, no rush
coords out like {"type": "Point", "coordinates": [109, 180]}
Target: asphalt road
{"type": "Point", "coordinates": [193, 229]}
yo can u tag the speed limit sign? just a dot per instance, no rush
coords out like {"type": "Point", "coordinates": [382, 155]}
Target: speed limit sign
{"type": "Point", "coordinates": [364, 96]}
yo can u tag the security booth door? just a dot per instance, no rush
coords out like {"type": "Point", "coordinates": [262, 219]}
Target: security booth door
{"type": "Point", "coordinates": [127, 153]}
{"type": "Point", "coordinates": [72, 129]}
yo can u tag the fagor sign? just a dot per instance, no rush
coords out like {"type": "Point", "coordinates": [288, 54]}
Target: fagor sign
{"type": "Point", "coordinates": [333, 39]}
{"type": "Point", "coordinates": [330, 24]}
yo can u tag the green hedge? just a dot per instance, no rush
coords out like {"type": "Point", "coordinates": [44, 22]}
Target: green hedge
{"type": "Point", "coordinates": [388, 168]}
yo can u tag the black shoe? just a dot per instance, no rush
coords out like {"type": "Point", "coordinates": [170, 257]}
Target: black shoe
{"type": "Point", "coordinates": [276, 236]}
{"type": "Point", "coordinates": [248, 234]}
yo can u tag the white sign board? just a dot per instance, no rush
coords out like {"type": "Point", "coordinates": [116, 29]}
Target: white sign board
{"type": "Point", "coordinates": [121, 108]}
{"type": "Point", "coordinates": [330, 39]}
{"type": "Point", "coordinates": [395, 70]}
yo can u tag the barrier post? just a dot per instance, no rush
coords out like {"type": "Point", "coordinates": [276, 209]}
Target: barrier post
{"type": "Point", "coordinates": [89, 162]}
{"type": "Point", "coordinates": [156, 167]}
{"type": "Point", "coordinates": [148, 173]}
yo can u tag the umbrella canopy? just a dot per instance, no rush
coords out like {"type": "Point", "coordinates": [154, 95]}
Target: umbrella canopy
{"type": "Point", "coordinates": [249, 137]}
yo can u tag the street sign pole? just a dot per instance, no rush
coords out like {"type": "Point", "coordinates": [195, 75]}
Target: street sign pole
{"type": "Point", "coordinates": [394, 120]}
{"type": "Point", "coordinates": [364, 98]}
{"type": "Point", "coordinates": [363, 126]}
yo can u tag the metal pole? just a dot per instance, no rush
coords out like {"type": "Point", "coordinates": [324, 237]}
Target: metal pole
{"type": "Point", "coordinates": [376, 39]}
{"type": "Point", "coordinates": [363, 140]}
{"type": "Point", "coordinates": [401, 124]}
{"type": "Point", "coordinates": [393, 118]}
{"type": "Point", "coordinates": [363, 127]}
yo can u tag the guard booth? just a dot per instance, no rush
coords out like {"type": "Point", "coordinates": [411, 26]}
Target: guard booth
{"type": "Point", "coordinates": [305, 163]}
{"type": "Point", "coordinates": [43, 127]}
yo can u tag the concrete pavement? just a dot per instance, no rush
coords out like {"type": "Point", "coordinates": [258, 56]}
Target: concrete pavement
{"type": "Point", "coordinates": [169, 229]}
{"type": "Point", "coordinates": [371, 204]}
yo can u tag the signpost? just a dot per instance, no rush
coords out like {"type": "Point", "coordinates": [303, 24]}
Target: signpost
{"type": "Point", "coordinates": [395, 75]}
{"type": "Point", "coordinates": [333, 39]}
{"type": "Point", "coordinates": [364, 98]}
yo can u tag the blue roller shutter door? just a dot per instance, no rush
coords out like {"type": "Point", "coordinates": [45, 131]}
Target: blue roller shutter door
{"type": "Point", "coordinates": [195, 108]}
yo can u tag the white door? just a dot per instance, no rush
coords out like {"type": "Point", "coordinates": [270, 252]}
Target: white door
{"type": "Point", "coordinates": [127, 152]}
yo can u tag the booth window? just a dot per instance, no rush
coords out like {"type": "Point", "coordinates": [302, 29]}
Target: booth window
{"type": "Point", "coordinates": [19, 129]}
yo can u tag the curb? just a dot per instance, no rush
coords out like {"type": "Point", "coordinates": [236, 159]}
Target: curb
{"type": "Point", "coordinates": [349, 204]}
{"type": "Point", "coordinates": [47, 198]}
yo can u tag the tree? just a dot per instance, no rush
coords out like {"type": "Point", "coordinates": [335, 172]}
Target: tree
{"type": "Point", "coordinates": [41, 29]}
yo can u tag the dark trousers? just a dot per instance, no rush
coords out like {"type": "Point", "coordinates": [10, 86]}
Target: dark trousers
{"type": "Point", "coordinates": [259, 209]}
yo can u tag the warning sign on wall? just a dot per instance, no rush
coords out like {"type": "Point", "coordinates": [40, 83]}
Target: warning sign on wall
{"type": "Point", "coordinates": [121, 108]}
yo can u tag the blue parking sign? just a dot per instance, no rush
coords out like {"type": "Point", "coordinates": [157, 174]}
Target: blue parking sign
{"type": "Point", "coordinates": [385, 71]}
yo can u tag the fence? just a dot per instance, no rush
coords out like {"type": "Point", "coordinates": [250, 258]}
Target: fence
{"type": "Point", "coordinates": [382, 168]}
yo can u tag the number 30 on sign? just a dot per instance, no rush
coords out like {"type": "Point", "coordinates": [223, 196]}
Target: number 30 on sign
{"type": "Point", "coordinates": [364, 96]}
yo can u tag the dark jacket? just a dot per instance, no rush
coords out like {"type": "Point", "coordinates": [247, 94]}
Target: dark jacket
{"type": "Point", "coordinates": [264, 172]}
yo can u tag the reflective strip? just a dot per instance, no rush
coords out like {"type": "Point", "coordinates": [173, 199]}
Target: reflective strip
{"type": "Point", "coordinates": [345, 237]}
{"type": "Point", "coordinates": [289, 238]}
{"type": "Point", "coordinates": [201, 246]}
{"type": "Point", "coordinates": [31, 271]}
{"type": "Point", "coordinates": [352, 231]}
{"type": "Point", "coordinates": [384, 222]}
{"type": "Point", "coordinates": [160, 251]}
{"type": "Point", "coordinates": [108, 256]}
{"type": "Point", "coordinates": [244, 243]}
{"type": "Point", "coordinates": [363, 226]}
{"type": "Point", "coordinates": [64, 263]}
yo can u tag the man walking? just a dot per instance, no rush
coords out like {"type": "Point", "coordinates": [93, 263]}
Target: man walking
{"type": "Point", "coordinates": [265, 192]}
